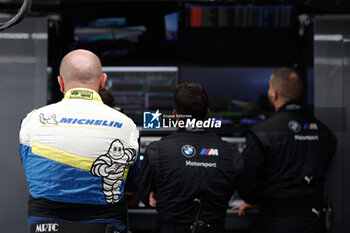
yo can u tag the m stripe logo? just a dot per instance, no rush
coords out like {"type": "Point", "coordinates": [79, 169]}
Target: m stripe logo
{"type": "Point", "coordinates": [209, 151]}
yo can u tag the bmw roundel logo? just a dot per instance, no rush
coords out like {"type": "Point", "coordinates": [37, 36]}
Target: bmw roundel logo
{"type": "Point", "coordinates": [188, 151]}
{"type": "Point", "coordinates": [294, 126]}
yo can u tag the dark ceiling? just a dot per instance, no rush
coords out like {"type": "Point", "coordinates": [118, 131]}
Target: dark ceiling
{"type": "Point", "coordinates": [304, 6]}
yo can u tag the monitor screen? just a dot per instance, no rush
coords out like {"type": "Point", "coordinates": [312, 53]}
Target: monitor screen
{"type": "Point", "coordinates": [139, 89]}
{"type": "Point", "coordinates": [248, 34]}
{"type": "Point", "coordinates": [171, 26]}
{"type": "Point", "coordinates": [239, 16]}
{"type": "Point", "coordinates": [123, 32]}
{"type": "Point", "coordinates": [237, 95]}
{"type": "Point", "coordinates": [100, 29]}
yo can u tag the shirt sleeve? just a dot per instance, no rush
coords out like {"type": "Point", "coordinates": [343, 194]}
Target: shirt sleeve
{"type": "Point", "coordinates": [146, 178]}
{"type": "Point", "coordinates": [24, 136]}
{"type": "Point", "coordinates": [24, 131]}
{"type": "Point", "coordinates": [134, 136]}
{"type": "Point", "coordinates": [237, 164]}
{"type": "Point", "coordinates": [249, 184]}
{"type": "Point", "coordinates": [133, 145]}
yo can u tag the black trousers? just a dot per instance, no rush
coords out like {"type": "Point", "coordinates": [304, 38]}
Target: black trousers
{"type": "Point", "coordinates": [288, 224]}
{"type": "Point", "coordinates": [186, 228]}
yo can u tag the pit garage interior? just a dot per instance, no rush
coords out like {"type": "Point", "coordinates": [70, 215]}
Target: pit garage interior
{"type": "Point", "coordinates": [239, 41]}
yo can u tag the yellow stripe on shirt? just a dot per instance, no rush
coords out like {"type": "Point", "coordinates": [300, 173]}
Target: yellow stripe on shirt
{"type": "Point", "coordinates": [62, 156]}
{"type": "Point", "coordinates": [125, 173]}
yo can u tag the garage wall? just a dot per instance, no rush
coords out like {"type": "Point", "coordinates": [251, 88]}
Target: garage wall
{"type": "Point", "coordinates": [23, 86]}
{"type": "Point", "coordinates": [332, 104]}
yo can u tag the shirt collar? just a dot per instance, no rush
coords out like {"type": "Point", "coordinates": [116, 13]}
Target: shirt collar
{"type": "Point", "coordinates": [190, 129]}
{"type": "Point", "coordinates": [290, 106]}
{"type": "Point", "coordinates": [82, 93]}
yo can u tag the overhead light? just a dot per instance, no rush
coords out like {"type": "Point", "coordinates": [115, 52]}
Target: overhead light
{"type": "Point", "coordinates": [328, 37]}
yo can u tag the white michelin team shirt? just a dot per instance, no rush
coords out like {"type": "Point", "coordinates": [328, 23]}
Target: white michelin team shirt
{"type": "Point", "coordinates": [78, 150]}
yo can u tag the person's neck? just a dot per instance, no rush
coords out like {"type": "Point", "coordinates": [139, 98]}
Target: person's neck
{"type": "Point", "coordinates": [279, 104]}
{"type": "Point", "coordinates": [81, 86]}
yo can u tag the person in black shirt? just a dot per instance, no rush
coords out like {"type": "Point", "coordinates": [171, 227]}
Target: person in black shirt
{"type": "Point", "coordinates": [191, 172]}
{"type": "Point", "coordinates": [286, 161]}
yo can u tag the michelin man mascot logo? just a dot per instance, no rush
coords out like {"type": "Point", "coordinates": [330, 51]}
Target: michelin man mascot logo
{"type": "Point", "coordinates": [111, 168]}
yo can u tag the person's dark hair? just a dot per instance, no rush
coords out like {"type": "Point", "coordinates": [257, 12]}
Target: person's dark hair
{"type": "Point", "coordinates": [107, 98]}
{"type": "Point", "coordinates": [191, 99]}
{"type": "Point", "coordinates": [287, 83]}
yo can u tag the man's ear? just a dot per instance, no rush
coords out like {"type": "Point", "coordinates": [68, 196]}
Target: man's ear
{"type": "Point", "coordinates": [274, 95]}
{"type": "Point", "coordinates": [61, 83]}
{"type": "Point", "coordinates": [103, 79]}
{"type": "Point", "coordinates": [277, 96]}
{"type": "Point", "coordinates": [175, 114]}
{"type": "Point", "coordinates": [208, 113]}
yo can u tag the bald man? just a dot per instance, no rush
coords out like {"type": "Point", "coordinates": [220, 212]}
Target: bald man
{"type": "Point", "coordinates": [76, 154]}
{"type": "Point", "coordinates": [285, 163]}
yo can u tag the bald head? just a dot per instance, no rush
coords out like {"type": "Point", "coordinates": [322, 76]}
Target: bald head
{"type": "Point", "coordinates": [286, 82]}
{"type": "Point", "coordinates": [81, 68]}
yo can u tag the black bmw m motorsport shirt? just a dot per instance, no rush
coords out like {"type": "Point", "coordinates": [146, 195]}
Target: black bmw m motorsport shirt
{"type": "Point", "coordinates": [286, 160]}
{"type": "Point", "coordinates": [187, 165]}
